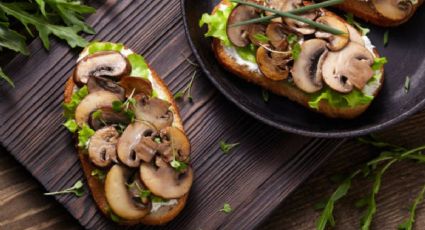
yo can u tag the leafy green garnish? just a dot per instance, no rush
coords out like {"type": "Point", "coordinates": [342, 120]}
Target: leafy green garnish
{"type": "Point", "coordinates": [217, 23]}
{"type": "Point", "coordinates": [144, 193]}
{"type": "Point", "coordinates": [69, 108]}
{"type": "Point", "coordinates": [386, 37]}
{"type": "Point", "coordinates": [389, 155]}
{"type": "Point", "coordinates": [226, 208]}
{"type": "Point", "coordinates": [3, 76]}
{"type": "Point", "coordinates": [226, 148]}
{"type": "Point", "coordinates": [77, 189]}
{"type": "Point", "coordinates": [179, 166]}
{"type": "Point", "coordinates": [187, 90]}
{"type": "Point", "coordinates": [71, 125]}
{"type": "Point", "coordinates": [94, 47]}
{"type": "Point", "coordinates": [114, 217]}
{"type": "Point", "coordinates": [408, 224]}
{"type": "Point", "coordinates": [295, 46]}
{"type": "Point", "coordinates": [247, 53]}
{"type": "Point", "coordinates": [261, 38]}
{"type": "Point", "coordinates": [99, 174]}
{"type": "Point", "coordinates": [12, 40]}
{"type": "Point", "coordinates": [351, 21]}
{"type": "Point", "coordinates": [139, 66]}
{"type": "Point", "coordinates": [407, 84]}
{"type": "Point", "coordinates": [157, 199]}
{"type": "Point", "coordinates": [84, 135]}
{"type": "Point", "coordinates": [352, 99]}
{"type": "Point", "coordinates": [119, 106]}
{"type": "Point", "coordinates": [265, 95]}
{"type": "Point", "coordinates": [378, 63]}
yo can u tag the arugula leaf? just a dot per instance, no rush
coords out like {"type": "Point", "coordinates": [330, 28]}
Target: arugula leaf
{"type": "Point", "coordinates": [12, 40]}
{"type": "Point", "coordinates": [408, 224]}
{"type": "Point", "coordinates": [44, 27]}
{"type": "Point", "coordinates": [351, 21]}
{"type": "Point", "coordinates": [77, 189]}
{"type": "Point", "coordinates": [84, 135]}
{"type": "Point", "coordinates": [226, 208]}
{"type": "Point", "coordinates": [69, 11]}
{"type": "Point", "coordinates": [226, 148]}
{"type": "Point", "coordinates": [6, 78]}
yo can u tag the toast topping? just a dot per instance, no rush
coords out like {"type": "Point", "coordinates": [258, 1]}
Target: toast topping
{"type": "Point", "coordinates": [352, 66]}
{"type": "Point", "coordinates": [297, 26]}
{"type": "Point", "coordinates": [95, 84]}
{"type": "Point", "coordinates": [335, 42]}
{"type": "Point", "coordinates": [102, 147]}
{"type": "Point", "coordinates": [307, 70]}
{"type": "Point", "coordinates": [273, 64]}
{"type": "Point", "coordinates": [239, 35]}
{"type": "Point", "coordinates": [109, 64]}
{"type": "Point", "coordinates": [106, 116]}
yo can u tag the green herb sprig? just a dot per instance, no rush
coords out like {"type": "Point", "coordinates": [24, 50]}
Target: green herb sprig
{"type": "Point", "coordinates": [291, 15]}
{"type": "Point", "coordinates": [408, 224]}
{"type": "Point", "coordinates": [389, 155]}
{"type": "Point", "coordinates": [227, 147]}
{"type": "Point", "coordinates": [187, 90]}
{"type": "Point", "coordinates": [226, 208]}
{"type": "Point", "coordinates": [119, 106]}
{"type": "Point", "coordinates": [77, 189]}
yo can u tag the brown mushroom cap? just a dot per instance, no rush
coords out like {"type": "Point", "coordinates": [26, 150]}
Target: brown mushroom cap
{"type": "Point", "coordinates": [277, 34]}
{"type": "Point", "coordinates": [355, 35]}
{"type": "Point", "coordinates": [139, 85]}
{"type": "Point", "coordinates": [336, 42]}
{"type": "Point", "coordinates": [91, 103]}
{"type": "Point", "coordinates": [131, 137]}
{"type": "Point", "coordinates": [239, 35]}
{"type": "Point", "coordinates": [273, 64]}
{"type": "Point", "coordinates": [102, 147]}
{"type": "Point", "coordinates": [109, 64]}
{"type": "Point", "coordinates": [162, 180]}
{"type": "Point", "coordinates": [394, 9]}
{"type": "Point", "coordinates": [348, 67]}
{"type": "Point", "coordinates": [174, 144]}
{"type": "Point", "coordinates": [96, 83]}
{"type": "Point", "coordinates": [307, 69]}
{"type": "Point", "coordinates": [118, 196]}
{"type": "Point", "coordinates": [154, 111]}
{"type": "Point", "coordinates": [107, 117]}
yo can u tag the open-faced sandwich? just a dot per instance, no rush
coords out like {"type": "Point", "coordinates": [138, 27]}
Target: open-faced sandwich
{"type": "Point", "coordinates": [382, 12]}
{"type": "Point", "coordinates": [129, 135]}
{"type": "Point", "coordinates": [311, 56]}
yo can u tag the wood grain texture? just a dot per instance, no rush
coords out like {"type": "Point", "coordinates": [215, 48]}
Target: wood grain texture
{"type": "Point", "coordinates": [254, 178]}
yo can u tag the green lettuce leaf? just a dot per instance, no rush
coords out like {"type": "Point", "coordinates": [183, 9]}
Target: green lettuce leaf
{"type": "Point", "coordinates": [71, 125]}
{"type": "Point", "coordinates": [352, 99]}
{"type": "Point", "coordinates": [84, 136]}
{"type": "Point", "coordinates": [217, 24]}
{"type": "Point", "coordinates": [104, 46]}
{"type": "Point", "coordinates": [69, 108]}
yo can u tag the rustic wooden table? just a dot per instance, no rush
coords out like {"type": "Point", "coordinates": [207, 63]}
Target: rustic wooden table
{"type": "Point", "coordinates": [31, 131]}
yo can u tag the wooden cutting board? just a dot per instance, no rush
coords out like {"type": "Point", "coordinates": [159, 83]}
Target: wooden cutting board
{"type": "Point", "coordinates": [254, 178]}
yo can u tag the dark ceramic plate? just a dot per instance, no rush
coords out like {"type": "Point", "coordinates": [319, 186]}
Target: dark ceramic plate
{"type": "Point", "coordinates": [406, 55]}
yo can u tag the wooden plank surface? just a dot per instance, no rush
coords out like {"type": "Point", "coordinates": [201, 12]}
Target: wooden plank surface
{"type": "Point", "coordinates": [255, 178]}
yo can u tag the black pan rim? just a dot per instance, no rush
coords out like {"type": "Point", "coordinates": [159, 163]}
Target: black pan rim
{"type": "Point", "coordinates": [287, 127]}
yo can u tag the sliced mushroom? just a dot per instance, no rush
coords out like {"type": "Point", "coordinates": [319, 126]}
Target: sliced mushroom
{"type": "Point", "coordinates": [336, 42]}
{"type": "Point", "coordinates": [394, 9]}
{"type": "Point", "coordinates": [109, 64]}
{"type": "Point", "coordinates": [277, 34]}
{"type": "Point", "coordinates": [355, 35]}
{"type": "Point", "coordinates": [299, 27]}
{"type": "Point", "coordinates": [91, 103]}
{"type": "Point", "coordinates": [147, 148]}
{"type": "Point", "coordinates": [118, 196]}
{"type": "Point", "coordinates": [306, 71]}
{"type": "Point", "coordinates": [136, 84]}
{"type": "Point", "coordinates": [154, 111]}
{"type": "Point", "coordinates": [96, 83]}
{"type": "Point", "coordinates": [348, 67]}
{"type": "Point", "coordinates": [175, 145]}
{"type": "Point", "coordinates": [239, 35]}
{"type": "Point", "coordinates": [277, 5]}
{"type": "Point", "coordinates": [106, 117]}
{"type": "Point", "coordinates": [162, 180]}
{"type": "Point", "coordinates": [273, 64]}
{"type": "Point", "coordinates": [102, 147]}
{"type": "Point", "coordinates": [131, 137]}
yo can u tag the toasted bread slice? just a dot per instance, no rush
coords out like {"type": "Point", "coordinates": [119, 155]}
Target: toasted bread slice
{"type": "Point", "coordinates": [283, 88]}
{"type": "Point", "coordinates": [97, 187]}
{"type": "Point", "coordinates": [366, 11]}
